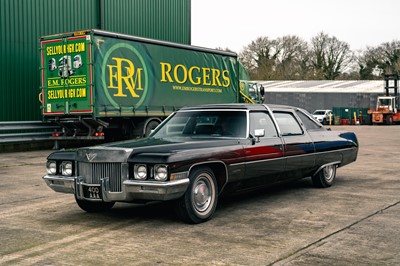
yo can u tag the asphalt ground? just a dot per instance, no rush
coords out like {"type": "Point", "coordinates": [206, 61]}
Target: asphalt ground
{"type": "Point", "coordinates": [354, 222]}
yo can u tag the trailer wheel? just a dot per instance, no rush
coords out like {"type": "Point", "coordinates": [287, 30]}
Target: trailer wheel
{"type": "Point", "coordinates": [150, 126]}
{"type": "Point", "coordinates": [325, 177]}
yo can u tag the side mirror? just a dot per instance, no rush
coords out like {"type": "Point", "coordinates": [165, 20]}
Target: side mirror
{"type": "Point", "coordinates": [258, 133]}
{"type": "Point", "coordinates": [262, 90]}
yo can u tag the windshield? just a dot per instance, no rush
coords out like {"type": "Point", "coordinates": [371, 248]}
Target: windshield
{"type": "Point", "coordinates": [385, 101]}
{"type": "Point", "coordinates": [319, 112]}
{"type": "Point", "coordinates": [204, 123]}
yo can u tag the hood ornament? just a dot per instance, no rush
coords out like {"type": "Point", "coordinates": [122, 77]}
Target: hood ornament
{"type": "Point", "coordinates": [91, 156]}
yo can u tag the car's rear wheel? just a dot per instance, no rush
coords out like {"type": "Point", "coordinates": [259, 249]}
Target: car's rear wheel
{"type": "Point", "coordinates": [325, 177]}
{"type": "Point", "coordinates": [199, 202]}
{"type": "Point", "coordinates": [94, 206]}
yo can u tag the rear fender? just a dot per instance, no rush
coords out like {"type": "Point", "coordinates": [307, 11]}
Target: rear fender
{"type": "Point", "coordinates": [337, 163]}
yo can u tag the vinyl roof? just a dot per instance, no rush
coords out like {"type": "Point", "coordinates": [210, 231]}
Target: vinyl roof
{"type": "Point", "coordinates": [324, 86]}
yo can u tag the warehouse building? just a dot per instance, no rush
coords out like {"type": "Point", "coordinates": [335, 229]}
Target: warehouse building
{"type": "Point", "coordinates": [23, 22]}
{"type": "Point", "coordinates": [324, 94]}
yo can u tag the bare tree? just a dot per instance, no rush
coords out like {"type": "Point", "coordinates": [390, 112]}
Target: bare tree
{"type": "Point", "coordinates": [329, 56]}
{"type": "Point", "coordinates": [325, 57]}
{"type": "Point", "coordinates": [259, 58]}
{"type": "Point", "coordinates": [226, 49]}
{"type": "Point", "coordinates": [293, 60]}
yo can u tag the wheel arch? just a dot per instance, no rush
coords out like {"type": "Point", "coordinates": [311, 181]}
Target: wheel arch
{"type": "Point", "coordinates": [218, 168]}
{"type": "Point", "coordinates": [337, 163]}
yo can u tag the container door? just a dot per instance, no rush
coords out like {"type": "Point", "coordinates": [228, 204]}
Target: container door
{"type": "Point", "coordinates": [66, 76]}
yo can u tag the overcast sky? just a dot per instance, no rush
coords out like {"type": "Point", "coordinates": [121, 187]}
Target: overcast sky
{"type": "Point", "coordinates": [234, 24]}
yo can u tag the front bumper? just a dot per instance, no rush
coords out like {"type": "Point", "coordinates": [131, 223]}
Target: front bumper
{"type": "Point", "coordinates": [131, 189]}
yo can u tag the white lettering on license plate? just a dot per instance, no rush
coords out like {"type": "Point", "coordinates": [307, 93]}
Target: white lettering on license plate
{"type": "Point", "coordinates": [93, 192]}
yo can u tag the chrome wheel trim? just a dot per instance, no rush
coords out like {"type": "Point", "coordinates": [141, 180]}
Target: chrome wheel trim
{"type": "Point", "coordinates": [203, 194]}
{"type": "Point", "coordinates": [329, 173]}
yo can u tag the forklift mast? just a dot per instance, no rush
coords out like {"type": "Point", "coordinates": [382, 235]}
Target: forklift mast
{"type": "Point", "coordinates": [391, 82]}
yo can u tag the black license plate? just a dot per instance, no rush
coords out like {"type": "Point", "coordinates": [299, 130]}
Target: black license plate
{"type": "Point", "coordinates": [92, 191]}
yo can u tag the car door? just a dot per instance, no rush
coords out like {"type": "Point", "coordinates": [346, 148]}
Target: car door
{"type": "Point", "coordinates": [298, 149]}
{"type": "Point", "coordinates": [264, 155]}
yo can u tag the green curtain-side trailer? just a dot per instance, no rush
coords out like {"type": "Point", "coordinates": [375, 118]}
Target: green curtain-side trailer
{"type": "Point", "coordinates": [96, 82]}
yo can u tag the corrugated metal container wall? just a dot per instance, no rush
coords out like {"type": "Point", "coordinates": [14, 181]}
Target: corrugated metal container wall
{"type": "Point", "coordinates": [22, 22]}
{"type": "Point", "coordinates": [167, 20]}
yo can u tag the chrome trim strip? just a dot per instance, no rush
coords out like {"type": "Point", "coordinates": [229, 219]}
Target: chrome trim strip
{"type": "Point", "coordinates": [258, 161]}
{"type": "Point", "coordinates": [285, 157]}
{"type": "Point", "coordinates": [352, 148]}
{"type": "Point", "coordinates": [157, 184]}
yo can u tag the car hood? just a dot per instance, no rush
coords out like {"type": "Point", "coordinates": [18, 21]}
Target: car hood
{"type": "Point", "coordinates": [151, 149]}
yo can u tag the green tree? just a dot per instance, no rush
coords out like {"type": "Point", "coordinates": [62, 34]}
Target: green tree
{"type": "Point", "coordinates": [376, 61]}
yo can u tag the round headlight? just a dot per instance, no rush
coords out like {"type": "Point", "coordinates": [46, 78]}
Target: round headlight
{"type": "Point", "coordinates": [140, 172]}
{"type": "Point", "coordinates": [51, 167]}
{"type": "Point", "coordinates": [66, 168]}
{"type": "Point", "coordinates": [161, 172]}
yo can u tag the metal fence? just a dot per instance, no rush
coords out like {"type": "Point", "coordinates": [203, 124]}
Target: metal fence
{"type": "Point", "coordinates": [26, 131]}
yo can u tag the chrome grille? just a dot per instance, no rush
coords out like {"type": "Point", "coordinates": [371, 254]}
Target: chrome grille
{"type": "Point", "coordinates": [94, 172]}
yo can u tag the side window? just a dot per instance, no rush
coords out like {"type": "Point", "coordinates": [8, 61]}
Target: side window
{"type": "Point", "coordinates": [288, 124]}
{"type": "Point", "coordinates": [261, 120]}
{"type": "Point", "coordinates": [307, 121]}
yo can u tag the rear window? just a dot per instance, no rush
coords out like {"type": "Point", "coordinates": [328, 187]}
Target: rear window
{"type": "Point", "coordinates": [307, 121]}
{"type": "Point", "coordinates": [288, 124]}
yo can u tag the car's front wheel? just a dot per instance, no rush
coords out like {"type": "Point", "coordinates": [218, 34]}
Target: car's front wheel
{"type": "Point", "coordinates": [325, 177]}
{"type": "Point", "coordinates": [94, 206]}
{"type": "Point", "coordinates": [198, 203]}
